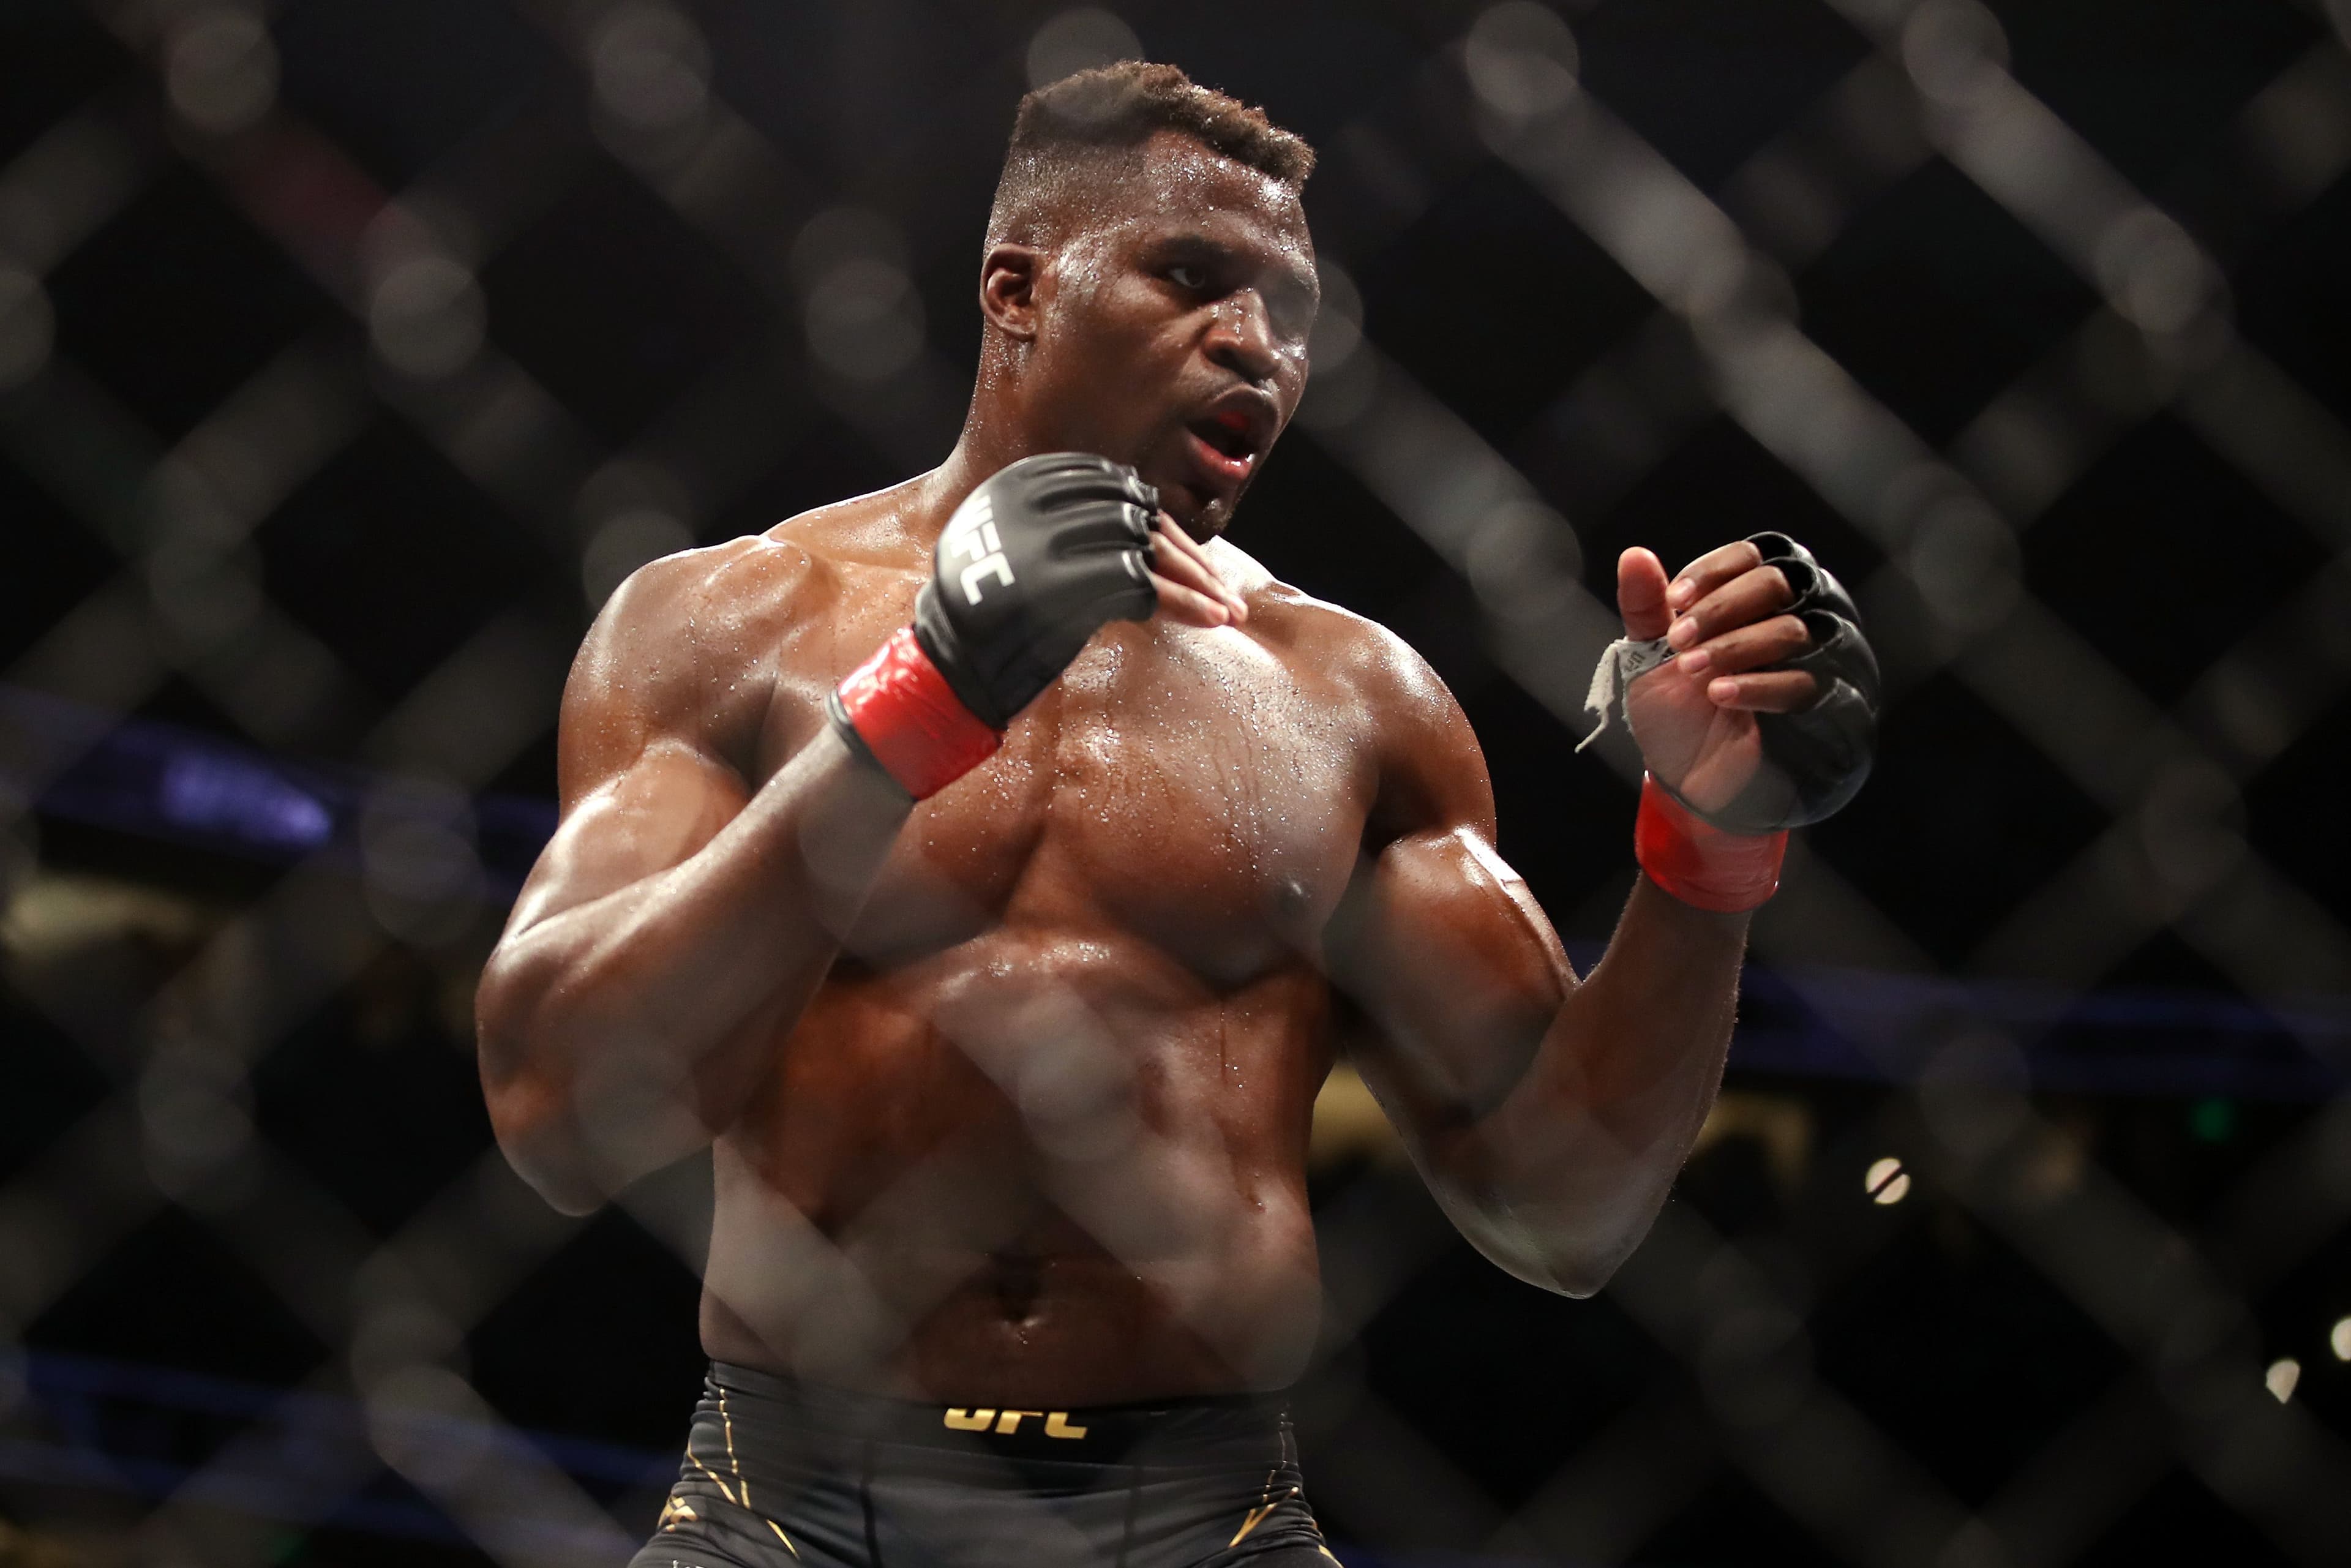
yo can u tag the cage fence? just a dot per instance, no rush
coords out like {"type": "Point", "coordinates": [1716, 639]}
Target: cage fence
{"type": "Point", "coordinates": [259, 332]}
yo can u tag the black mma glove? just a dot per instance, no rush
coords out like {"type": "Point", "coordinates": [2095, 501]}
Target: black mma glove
{"type": "Point", "coordinates": [1814, 760]}
{"type": "Point", "coordinates": [1032, 563]}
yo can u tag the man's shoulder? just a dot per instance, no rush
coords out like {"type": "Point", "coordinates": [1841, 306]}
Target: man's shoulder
{"type": "Point", "coordinates": [700, 644]}
{"type": "Point", "coordinates": [1429, 765]}
{"type": "Point", "coordinates": [861, 531]}
{"type": "Point", "coordinates": [735, 574]}
{"type": "Point", "coordinates": [667, 622]}
{"type": "Point", "coordinates": [757, 581]}
{"type": "Point", "coordinates": [1333, 639]}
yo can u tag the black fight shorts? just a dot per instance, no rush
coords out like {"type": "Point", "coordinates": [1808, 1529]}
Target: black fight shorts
{"type": "Point", "coordinates": [779, 1474]}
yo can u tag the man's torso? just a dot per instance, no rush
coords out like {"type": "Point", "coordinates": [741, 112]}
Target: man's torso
{"type": "Point", "coordinates": [1040, 1136]}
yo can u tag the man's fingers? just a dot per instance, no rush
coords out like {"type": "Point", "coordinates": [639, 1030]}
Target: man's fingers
{"type": "Point", "coordinates": [1178, 537]}
{"type": "Point", "coordinates": [1748, 647]}
{"type": "Point", "coordinates": [1190, 588]}
{"type": "Point", "coordinates": [1188, 605]}
{"type": "Point", "coordinates": [1178, 558]}
{"type": "Point", "coordinates": [1769, 690]}
{"type": "Point", "coordinates": [1641, 594]}
{"type": "Point", "coordinates": [1710, 572]}
{"type": "Point", "coordinates": [1752, 596]}
{"type": "Point", "coordinates": [1183, 584]}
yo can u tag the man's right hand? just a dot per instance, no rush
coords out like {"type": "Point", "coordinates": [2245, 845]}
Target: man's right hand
{"type": "Point", "coordinates": [1034, 562]}
{"type": "Point", "coordinates": [1029, 567]}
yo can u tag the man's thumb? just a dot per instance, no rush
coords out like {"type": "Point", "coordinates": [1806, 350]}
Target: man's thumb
{"type": "Point", "coordinates": [1641, 594]}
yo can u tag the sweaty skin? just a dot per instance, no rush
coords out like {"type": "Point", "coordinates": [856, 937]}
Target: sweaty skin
{"type": "Point", "coordinates": [1008, 1093]}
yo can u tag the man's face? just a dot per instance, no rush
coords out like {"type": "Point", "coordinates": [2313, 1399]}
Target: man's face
{"type": "Point", "coordinates": [1172, 327]}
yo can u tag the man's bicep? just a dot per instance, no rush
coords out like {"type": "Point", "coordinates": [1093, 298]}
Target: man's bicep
{"type": "Point", "coordinates": [656, 813]}
{"type": "Point", "coordinates": [642, 786]}
{"type": "Point", "coordinates": [1454, 969]}
{"type": "Point", "coordinates": [1438, 942]}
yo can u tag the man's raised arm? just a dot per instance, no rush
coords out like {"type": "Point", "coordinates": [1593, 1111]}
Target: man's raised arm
{"type": "Point", "coordinates": [1550, 1117]}
{"type": "Point", "coordinates": [680, 920]}
{"type": "Point", "coordinates": [678, 917]}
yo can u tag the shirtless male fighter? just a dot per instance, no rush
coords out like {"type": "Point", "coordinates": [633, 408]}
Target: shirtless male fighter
{"type": "Point", "coordinates": [988, 871]}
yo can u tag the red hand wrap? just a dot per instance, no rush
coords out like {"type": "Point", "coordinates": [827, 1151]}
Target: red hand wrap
{"type": "Point", "coordinates": [1699, 863]}
{"type": "Point", "coordinates": [909, 718]}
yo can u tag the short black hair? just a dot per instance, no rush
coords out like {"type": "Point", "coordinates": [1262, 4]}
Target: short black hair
{"type": "Point", "coordinates": [1111, 112]}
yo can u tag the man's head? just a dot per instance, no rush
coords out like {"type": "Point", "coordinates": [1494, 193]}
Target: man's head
{"type": "Point", "coordinates": [1149, 282]}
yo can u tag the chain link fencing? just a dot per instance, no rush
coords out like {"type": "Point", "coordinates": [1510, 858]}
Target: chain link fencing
{"type": "Point", "coordinates": [350, 355]}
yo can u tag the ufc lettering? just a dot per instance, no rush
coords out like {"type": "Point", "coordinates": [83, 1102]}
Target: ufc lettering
{"type": "Point", "coordinates": [1007, 1422]}
{"type": "Point", "coordinates": [973, 573]}
{"type": "Point", "coordinates": [973, 537]}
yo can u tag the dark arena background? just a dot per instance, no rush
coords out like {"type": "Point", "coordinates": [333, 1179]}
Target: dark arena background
{"type": "Point", "coordinates": [352, 350]}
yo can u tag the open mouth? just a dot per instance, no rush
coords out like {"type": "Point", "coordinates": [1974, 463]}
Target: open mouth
{"type": "Point", "coordinates": [1225, 444]}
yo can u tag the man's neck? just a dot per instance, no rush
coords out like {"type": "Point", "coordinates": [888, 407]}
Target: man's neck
{"type": "Point", "coordinates": [986, 447]}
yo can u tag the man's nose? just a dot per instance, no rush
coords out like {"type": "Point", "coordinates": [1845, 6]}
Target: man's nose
{"type": "Point", "coordinates": [1240, 336]}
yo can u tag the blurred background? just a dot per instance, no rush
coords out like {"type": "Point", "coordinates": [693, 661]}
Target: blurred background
{"type": "Point", "coordinates": [352, 350]}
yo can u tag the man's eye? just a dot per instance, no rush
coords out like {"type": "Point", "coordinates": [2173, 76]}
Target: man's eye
{"type": "Point", "coordinates": [1185, 275]}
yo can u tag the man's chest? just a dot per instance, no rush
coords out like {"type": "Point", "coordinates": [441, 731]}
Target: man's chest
{"type": "Point", "coordinates": [1194, 788]}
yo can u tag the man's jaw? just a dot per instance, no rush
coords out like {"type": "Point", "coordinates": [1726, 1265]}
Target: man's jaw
{"type": "Point", "coordinates": [1202, 509]}
{"type": "Point", "coordinates": [1217, 452]}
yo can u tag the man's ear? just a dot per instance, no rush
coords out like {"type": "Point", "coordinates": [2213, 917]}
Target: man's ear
{"type": "Point", "coordinates": [1007, 289]}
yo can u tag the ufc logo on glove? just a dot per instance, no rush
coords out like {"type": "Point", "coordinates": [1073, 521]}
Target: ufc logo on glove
{"type": "Point", "coordinates": [973, 537]}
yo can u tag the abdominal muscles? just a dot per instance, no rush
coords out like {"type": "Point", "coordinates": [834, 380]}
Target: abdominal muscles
{"type": "Point", "coordinates": [1043, 1144]}
{"type": "Point", "coordinates": [1037, 1168]}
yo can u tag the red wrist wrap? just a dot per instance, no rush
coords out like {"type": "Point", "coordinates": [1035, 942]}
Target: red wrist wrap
{"type": "Point", "coordinates": [909, 718]}
{"type": "Point", "coordinates": [1699, 863]}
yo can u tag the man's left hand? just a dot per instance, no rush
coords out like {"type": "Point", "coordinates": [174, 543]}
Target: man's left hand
{"type": "Point", "coordinates": [1725, 617]}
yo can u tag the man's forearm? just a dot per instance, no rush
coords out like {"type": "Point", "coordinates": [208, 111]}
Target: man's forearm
{"type": "Point", "coordinates": [1563, 1178]}
{"type": "Point", "coordinates": [624, 1031]}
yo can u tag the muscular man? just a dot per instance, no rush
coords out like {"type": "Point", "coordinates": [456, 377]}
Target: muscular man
{"type": "Point", "coordinates": [988, 871]}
